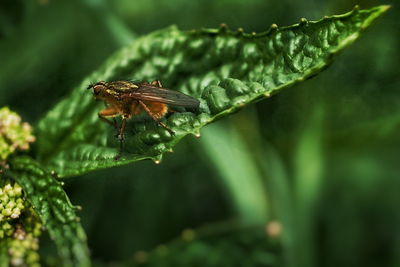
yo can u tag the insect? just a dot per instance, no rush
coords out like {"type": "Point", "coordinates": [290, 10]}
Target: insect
{"type": "Point", "coordinates": [128, 98]}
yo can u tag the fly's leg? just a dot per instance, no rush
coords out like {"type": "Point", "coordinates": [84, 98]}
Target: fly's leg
{"type": "Point", "coordinates": [121, 137]}
{"type": "Point", "coordinates": [112, 112]}
{"type": "Point", "coordinates": [109, 112]}
{"type": "Point", "coordinates": [112, 123]}
{"type": "Point", "coordinates": [148, 111]}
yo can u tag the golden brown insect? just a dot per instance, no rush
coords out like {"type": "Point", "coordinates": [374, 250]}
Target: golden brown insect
{"type": "Point", "coordinates": [127, 99]}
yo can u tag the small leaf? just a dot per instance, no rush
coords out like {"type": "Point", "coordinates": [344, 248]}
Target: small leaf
{"type": "Point", "coordinates": [224, 69]}
{"type": "Point", "coordinates": [55, 210]}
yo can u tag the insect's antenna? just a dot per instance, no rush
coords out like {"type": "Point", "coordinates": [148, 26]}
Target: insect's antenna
{"type": "Point", "coordinates": [90, 86]}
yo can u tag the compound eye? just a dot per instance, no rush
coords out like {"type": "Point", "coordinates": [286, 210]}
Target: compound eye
{"type": "Point", "coordinates": [97, 89]}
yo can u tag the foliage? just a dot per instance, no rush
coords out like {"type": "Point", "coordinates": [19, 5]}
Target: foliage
{"type": "Point", "coordinates": [54, 208]}
{"type": "Point", "coordinates": [250, 169]}
{"type": "Point", "coordinates": [225, 70]}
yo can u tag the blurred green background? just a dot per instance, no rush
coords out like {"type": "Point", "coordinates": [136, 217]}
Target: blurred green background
{"type": "Point", "coordinates": [310, 177]}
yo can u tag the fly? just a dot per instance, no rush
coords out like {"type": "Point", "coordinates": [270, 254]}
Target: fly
{"type": "Point", "coordinates": [127, 99]}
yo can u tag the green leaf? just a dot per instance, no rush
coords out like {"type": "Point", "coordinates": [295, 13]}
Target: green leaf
{"type": "Point", "coordinates": [238, 171]}
{"type": "Point", "coordinates": [307, 186]}
{"type": "Point", "coordinates": [225, 70]}
{"type": "Point", "coordinates": [55, 210]}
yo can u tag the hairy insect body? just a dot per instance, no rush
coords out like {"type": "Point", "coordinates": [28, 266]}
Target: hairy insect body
{"type": "Point", "coordinates": [127, 108]}
{"type": "Point", "coordinates": [159, 110]}
{"type": "Point", "coordinates": [127, 99]}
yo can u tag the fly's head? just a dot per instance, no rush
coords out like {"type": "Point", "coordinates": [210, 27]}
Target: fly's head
{"type": "Point", "coordinates": [101, 91]}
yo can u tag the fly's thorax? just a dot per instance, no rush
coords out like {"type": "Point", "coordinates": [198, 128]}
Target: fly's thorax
{"type": "Point", "coordinates": [105, 94]}
{"type": "Point", "coordinates": [111, 92]}
{"type": "Point", "coordinates": [122, 86]}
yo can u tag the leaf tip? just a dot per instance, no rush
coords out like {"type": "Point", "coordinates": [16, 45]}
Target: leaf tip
{"type": "Point", "coordinates": [374, 13]}
{"type": "Point", "coordinates": [385, 8]}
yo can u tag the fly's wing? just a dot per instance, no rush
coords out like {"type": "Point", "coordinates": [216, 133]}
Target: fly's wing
{"type": "Point", "coordinates": [162, 95]}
